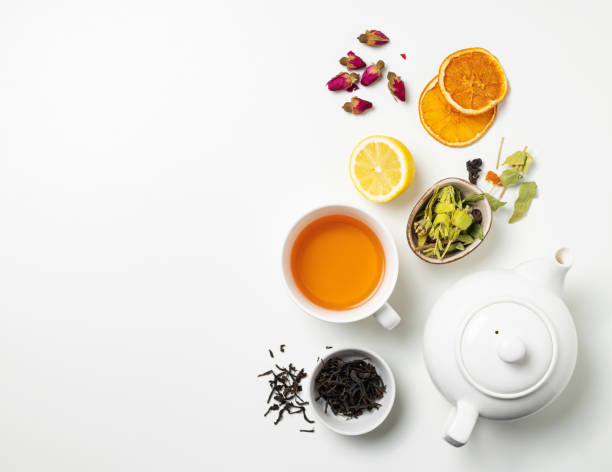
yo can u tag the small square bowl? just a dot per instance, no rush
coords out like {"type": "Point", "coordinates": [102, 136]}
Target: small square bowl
{"type": "Point", "coordinates": [369, 420]}
{"type": "Point", "coordinates": [466, 188]}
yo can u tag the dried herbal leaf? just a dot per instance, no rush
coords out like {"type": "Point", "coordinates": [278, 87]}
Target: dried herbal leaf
{"type": "Point", "coordinates": [520, 159]}
{"type": "Point", "coordinates": [517, 158]}
{"type": "Point", "coordinates": [456, 246]}
{"type": "Point", "coordinates": [474, 197]}
{"type": "Point", "coordinates": [465, 238]}
{"type": "Point", "coordinates": [528, 162]}
{"type": "Point", "coordinates": [462, 219]}
{"type": "Point", "coordinates": [476, 231]}
{"type": "Point", "coordinates": [442, 219]}
{"type": "Point", "coordinates": [494, 202]}
{"type": "Point", "coordinates": [527, 192]}
{"type": "Point", "coordinates": [442, 207]}
{"type": "Point", "coordinates": [510, 177]}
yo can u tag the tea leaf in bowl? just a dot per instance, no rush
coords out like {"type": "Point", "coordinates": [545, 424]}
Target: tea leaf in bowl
{"type": "Point", "coordinates": [474, 197]}
{"type": "Point", "coordinates": [462, 219]}
{"type": "Point", "coordinates": [476, 231]}
{"type": "Point", "coordinates": [465, 238]}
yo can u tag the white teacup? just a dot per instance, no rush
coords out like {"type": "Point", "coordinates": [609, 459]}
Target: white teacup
{"type": "Point", "coordinates": [377, 303]}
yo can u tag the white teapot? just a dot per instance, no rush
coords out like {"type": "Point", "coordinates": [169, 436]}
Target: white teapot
{"type": "Point", "coordinates": [501, 343]}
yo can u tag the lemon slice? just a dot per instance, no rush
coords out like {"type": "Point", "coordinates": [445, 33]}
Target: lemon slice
{"type": "Point", "coordinates": [381, 168]}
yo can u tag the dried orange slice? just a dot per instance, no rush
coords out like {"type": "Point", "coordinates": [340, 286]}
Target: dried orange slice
{"type": "Point", "coordinates": [472, 81]}
{"type": "Point", "coordinates": [446, 124]}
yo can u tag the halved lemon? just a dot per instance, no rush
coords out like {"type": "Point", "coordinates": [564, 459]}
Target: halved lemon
{"type": "Point", "coordinates": [446, 124]}
{"type": "Point", "coordinates": [472, 81]}
{"type": "Point", "coordinates": [381, 168]}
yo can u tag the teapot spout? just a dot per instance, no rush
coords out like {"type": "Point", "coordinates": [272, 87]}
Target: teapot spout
{"type": "Point", "coordinates": [548, 272]}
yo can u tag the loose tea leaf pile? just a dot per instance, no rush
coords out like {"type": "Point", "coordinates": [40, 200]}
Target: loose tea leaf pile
{"type": "Point", "coordinates": [448, 222]}
{"type": "Point", "coordinates": [349, 387]}
{"type": "Point", "coordinates": [285, 391]}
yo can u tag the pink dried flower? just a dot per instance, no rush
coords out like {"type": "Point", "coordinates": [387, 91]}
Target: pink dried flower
{"type": "Point", "coordinates": [372, 73]}
{"type": "Point", "coordinates": [373, 38]}
{"type": "Point", "coordinates": [343, 81]}
{"type": "Point", "coordinates": [356, 106]}
{"type": "Point", "coordinates": [352, 62]}
{"type": "Point", "coordinates": [396, 86]}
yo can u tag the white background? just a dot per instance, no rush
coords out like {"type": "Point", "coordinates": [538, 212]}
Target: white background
{"type": "Point", "coordinates": [152, 155]}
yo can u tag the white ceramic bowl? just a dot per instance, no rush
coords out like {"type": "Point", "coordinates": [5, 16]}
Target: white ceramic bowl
{"type": "Point", "coordinates": [369, 420]}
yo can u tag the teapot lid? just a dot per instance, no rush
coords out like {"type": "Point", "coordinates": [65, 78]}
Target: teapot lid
{"type": "Point", "coordinates": [507, 349]}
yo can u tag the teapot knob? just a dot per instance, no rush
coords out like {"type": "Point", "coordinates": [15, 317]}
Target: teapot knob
{"type": "Point", "coordinates": [511, 349]}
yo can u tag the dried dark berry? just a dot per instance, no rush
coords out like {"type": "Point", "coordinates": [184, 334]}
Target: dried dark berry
{"type": "Point", "coordinates": [473, 168]}
{"type": "Point", "coordinates": [475, 164]}
{"type": "Point", "coordinates": [477, 215]}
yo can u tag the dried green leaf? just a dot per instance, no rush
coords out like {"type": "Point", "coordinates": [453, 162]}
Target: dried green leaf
{"type": "Point", "coordinates": [430, 204]}
{"type": "Point", "coordinates": [442, 219]}
{"type": "Point", "coordinates": [494, 202]}
{"type": "Point", "coordinates": [465, 238]}
{"type": "Point", "coordinates": [474, 197]}
{"type": "Point", "coordinates": [521, 160]}
{"type": "Point", "coordinates": [462, 219]}
{"type": "Point", "coordinates": [528, 162]}
{"type": "Point", "coordinates": [456, 246]}
{"type": "Point", "coordinates": [517, 158]}
{"type": "Point", "coordinates": [442, 207]}
{"type": "Point", "coordinates": [476, 231]}
{"type": "Point", "coordinates": [527, 192]}
{"type": "Point", "coordinates": [510, 177]}
{"type": "Point", "coordinates": [447, 194]}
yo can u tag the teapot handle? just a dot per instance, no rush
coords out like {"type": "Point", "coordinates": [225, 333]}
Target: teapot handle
{"type": "Point", "coordinates": [460, 423]}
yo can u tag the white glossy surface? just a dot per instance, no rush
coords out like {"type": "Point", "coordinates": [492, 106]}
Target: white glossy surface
{"type": "Point", "coordinates": [129, 265]}
{"type": "Point", "coordinates": [511, 349]}
{"type": "Point", "coordinates": [531, 313]}
{"type": "Point", "coordinates": [496, 337]}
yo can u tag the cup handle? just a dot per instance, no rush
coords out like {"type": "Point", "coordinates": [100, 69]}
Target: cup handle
{"type": "Point", "coordinates": [387, 317]}
{"type": "Point", "coordinates": [460, 424]}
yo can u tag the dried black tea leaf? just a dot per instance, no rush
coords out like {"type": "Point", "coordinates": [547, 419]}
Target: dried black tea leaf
{"type": "Point", "coordinates": [349, 387]}
{"type": "Point", "coordinates": [285, 390]}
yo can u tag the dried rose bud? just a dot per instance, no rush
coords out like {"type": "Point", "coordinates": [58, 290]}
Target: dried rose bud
{"type": "Point", "coordinates": [343, 81]}
{"type": "Point", "coordinates": [373, 38]}
{"type": "Point", "coordinates": [372, 73]}
{"type": "Point", "coordinates": [356, 106]}
{"type": "Point", "coordinates": [352, 62]}
{"type": "Point", "coordinates": [396, 86]}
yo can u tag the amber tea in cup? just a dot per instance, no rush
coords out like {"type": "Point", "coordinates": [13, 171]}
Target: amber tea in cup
{"type": "Point", "coordinates": [337, 262]}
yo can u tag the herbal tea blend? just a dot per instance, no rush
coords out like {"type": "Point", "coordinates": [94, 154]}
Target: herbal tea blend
{"type": "Point", "coordinates": [448, 222]}
{"type": "Point", "coordinates": [349, 387]}
{"type": "Point", "coordinates": [285, 391]}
